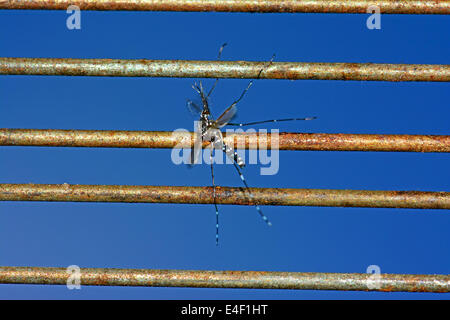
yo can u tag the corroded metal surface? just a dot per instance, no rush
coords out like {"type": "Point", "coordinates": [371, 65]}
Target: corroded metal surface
{"type": "Point", "coordinates": [224, 69]}
{"type": "Point", "coordinates": [317, 6]}
{"type": "Point", "coordinates": [167, 139]}
{"type": "Point", "coordinates": [225, 195]}
{"type": "Point", "coordinates": [229, 279]}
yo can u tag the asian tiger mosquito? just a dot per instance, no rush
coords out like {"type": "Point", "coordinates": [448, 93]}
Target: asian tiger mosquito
{"type": "Point", "coordinates": [208, 130]}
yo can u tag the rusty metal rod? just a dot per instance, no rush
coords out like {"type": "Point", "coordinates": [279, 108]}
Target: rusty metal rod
{"type": "Point", "coordinates": [229, 279]}
{"type": "Point", "coordinates": [261, 6]}
{"type": "Point", "coordinates": [224, 69]}
{"type": "Point", "coordinates": [225, 195]}
{"type": "Point", "coordinates": [167, 139]}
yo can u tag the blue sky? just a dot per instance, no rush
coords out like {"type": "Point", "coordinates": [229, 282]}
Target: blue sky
{"type": "Point", "coordinates": [172, 236]}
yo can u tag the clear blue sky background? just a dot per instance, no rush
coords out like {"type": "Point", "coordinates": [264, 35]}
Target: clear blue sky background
{"type": "Point", "coordinates": [171, 236]}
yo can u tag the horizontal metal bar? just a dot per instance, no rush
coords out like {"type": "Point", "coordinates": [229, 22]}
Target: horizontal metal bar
{"type": "Point", "coordinates": [316, 6]}
{"type": "Point", "coordinates": [224, 69]}
{"type": "Point", "coordinates": [167, 139]}
{"type": "Point", "coordinates": [225, 195]}
{"type": "Point", "coordinates": [228, 279]}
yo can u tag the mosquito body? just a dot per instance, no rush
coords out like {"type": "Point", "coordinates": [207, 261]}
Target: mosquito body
{"type": "Point", "coordinates": [208, 130]}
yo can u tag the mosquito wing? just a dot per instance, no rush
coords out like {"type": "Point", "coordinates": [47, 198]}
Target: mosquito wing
{"type": "Point", "coordinates": [193, 108]}
{"type": "Point", "coordinates": [197, 147]}
{"type": "Point", "coordinates": [226, 116]}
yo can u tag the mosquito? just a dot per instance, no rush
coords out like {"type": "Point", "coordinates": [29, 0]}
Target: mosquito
{"type": "Point", "coordinates": [208, 130]}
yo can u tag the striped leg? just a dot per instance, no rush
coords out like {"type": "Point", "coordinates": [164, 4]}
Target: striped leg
{"type": "Point", "coordinates": [266, 121]}
{"type": "Point", "coordinates": [232, 155]}
{"type": "Point", "coordinates": [237, 166]}
{"type": "Point", "coordinates": [214, 195]}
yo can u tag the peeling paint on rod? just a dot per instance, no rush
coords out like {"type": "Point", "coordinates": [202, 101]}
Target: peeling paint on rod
{"type": "Point", "coordinates": [224, 69]}
{"type": "Point", "coordinates": [225, 195]}
{"type": "Point", "coordinates": [229, 279]}
{"type": "Point", "coordinates": [168, 140]}
{"type": "Point", "coordinates": [261, 6]}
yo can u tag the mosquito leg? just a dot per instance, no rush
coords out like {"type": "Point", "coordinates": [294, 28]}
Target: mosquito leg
{"type": "Point", "coordinates": [267, 121]}
{"type": "Point", "coordinates": [196, 88]}
{"type": "Point", "coordinates": [214, 195]}
{"type": "Point", "coordinates": [251, 82]}
{"type": "Point", "coordinates": [263, 216]}
{"type": "Point", "coordinates": [217, 79]}
{"type": "Point", "coordinates": [220, 50]}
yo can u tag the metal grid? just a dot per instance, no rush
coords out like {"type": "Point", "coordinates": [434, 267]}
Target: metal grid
{"type": "Point", "coordinates": [230, 279]}
{"type": "Point", "coordinates": [169, 140]}
{"type": "Point", "coordinates": [260, 6]}
{"type": "Point", "coordinates": [224, 69]}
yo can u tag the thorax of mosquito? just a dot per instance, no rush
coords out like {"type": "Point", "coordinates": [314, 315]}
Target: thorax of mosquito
{"type": "Point", "coordinates": [210, 129]}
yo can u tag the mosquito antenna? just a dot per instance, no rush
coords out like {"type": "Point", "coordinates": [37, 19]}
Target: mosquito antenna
{"type": "Point", "coordinates": [196, 88]}
{"type": "Point", "coordinates": [217, 79]}
{"type": "Point", "coordinates": [199, 89]}
{"type": "Point", "coordinates": [266, 121]}
{"type": "Point", "coordinates": [251, 82]}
